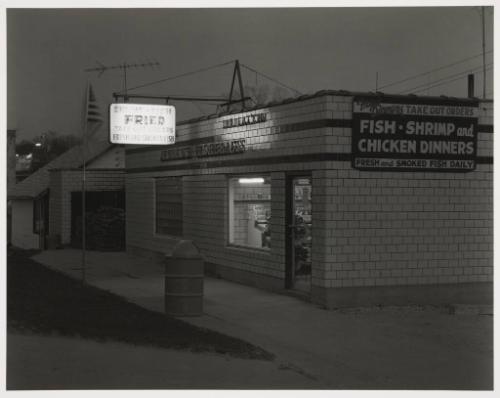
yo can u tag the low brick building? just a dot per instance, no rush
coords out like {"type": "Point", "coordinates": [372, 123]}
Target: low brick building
{"type": "Point", "coordinates": [48, 201]}
{"type": "Point", "coordinates": [346, 198]}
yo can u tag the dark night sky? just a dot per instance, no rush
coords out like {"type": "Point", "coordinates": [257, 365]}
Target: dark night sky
{"type": "Point", "coordinates": [307, 49]}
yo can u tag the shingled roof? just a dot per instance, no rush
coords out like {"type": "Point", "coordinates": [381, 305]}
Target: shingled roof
{"type": "Point", "coordinates": [38, 182]}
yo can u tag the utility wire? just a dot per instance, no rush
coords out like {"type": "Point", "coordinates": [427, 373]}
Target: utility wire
{"type": "Point", "coordinates": [270, 78]}
{"type": "Point", "coordinates": [448, 81]}
{"type": "Point", "coordinates": [198, 107]}
{"type": "Point", "coordinates": [433, 70]}
{"type": "Point", "coordinates": [441, 79]}
{"type": "Point", "coordinates": [178, 76]}
{"type": "Point", "coordinates": [197, 96]}
{"type": "Point", "coordinates": [444, 78]}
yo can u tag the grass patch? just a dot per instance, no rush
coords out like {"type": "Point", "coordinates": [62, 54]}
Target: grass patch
{"type": "Point", "coordinates": [44, 301]}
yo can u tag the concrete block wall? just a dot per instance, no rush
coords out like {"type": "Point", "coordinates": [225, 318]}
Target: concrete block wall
{"type": "Point", "coordinates": [140, 220]}
{"type": "Point", "coordinates": [64, 182]}
{"type": "Point", "coordinates": [270, 138]}
{"type": "Point", "coordinates": [370, 229]}
{"type": "Point", "coordinates": [205, 220]}
{"type": "Point", "coordinates": [205, 190]}
{"type": "Point", "coordinates": [210, 231]}
{"type": "Point", "coordinates": [373, 229]}
{"type": "Point", "coordinates": [205, 213]}
{"type": "Point", "coordinates": [387, 229]}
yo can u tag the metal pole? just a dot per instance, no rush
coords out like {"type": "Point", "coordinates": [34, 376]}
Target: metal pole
{"type": "Point", "coordinates": [125, 77]}
{"type": "Point", "coordinates": [84, 264]}
{"type": "Point", "coordinates": [232, 85]}
{"type": "Point", "coordinates": [240, 82]}
{"type": "Point", "coordinates": [484, 53]}
{"type": "Point", "coordinates": [84, 150]}
{"type": "Point", "coordinates": [470, 85]}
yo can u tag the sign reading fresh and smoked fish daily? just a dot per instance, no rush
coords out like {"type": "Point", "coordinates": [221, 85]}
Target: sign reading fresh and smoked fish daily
{"type": "Point", "coordinates": [421, 134]}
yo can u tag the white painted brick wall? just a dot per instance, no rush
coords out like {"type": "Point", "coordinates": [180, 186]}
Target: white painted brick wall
{"type": "Point", "coordinates": [374, 228]}
{"type": "Point", "coordinates": [369, 228]}
{"type": "Point", "coordinates": [205, 220]}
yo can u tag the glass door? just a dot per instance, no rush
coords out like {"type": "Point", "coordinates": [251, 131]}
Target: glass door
{"type": "Point", "coordinates": [299, 233]}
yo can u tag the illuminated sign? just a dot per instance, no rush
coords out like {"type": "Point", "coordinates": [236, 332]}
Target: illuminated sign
{"type": "Point", "coordinates": [421, 134]}
{"type": "Point", "coordinates": [142, 124]}
{"type": "Point", "coordinates": [204, 150]}
{"type": "Point", "coordinates": [238, 121]}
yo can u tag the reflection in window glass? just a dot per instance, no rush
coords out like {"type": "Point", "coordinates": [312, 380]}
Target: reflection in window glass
{"type": "Point", "coordinates": [250, 212]}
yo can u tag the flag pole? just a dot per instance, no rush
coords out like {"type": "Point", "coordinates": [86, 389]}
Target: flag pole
{"type": "Point", "coordinates": [92, 114]}
{"type": "Point", "coordinates": [84, 143]}
{"type": "Point", "coordinates": [484, 54]}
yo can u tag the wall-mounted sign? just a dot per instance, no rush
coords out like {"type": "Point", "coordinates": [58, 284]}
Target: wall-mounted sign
{"type": "Point", "coordinates": [142, 124]}
{"type": "Point", "coordinates": [204, 150]}
{"type": "Point", "coordinates": [238, 121]}
{"type": "Point", "coordinates": [401, 134]}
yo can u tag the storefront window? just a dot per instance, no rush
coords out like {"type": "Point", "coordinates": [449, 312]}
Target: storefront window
{"type": "Point", "coordinates": [250, 211]}
{"type": "Point", "coordinates": [169, 206]}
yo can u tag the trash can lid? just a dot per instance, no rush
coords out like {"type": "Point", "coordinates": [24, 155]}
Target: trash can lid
{"type": "Point", "coordinates": [185, 249]}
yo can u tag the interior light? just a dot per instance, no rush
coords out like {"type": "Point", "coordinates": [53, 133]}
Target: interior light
{"type": "Point", "coordinates": [38, 144]}
{"type": "Point", "coordinates": [255, 180]}
{"type": "Point", "coordinates": [28, 156]}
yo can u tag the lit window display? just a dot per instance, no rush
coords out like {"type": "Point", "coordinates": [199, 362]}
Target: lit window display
{"type": "Point", "coordinates": [250, 212]}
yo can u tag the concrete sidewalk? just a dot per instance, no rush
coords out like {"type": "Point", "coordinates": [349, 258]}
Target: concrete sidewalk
{"type": "Point", "coordinates": [389, 348]}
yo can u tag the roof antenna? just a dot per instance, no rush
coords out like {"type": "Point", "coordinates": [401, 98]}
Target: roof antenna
{"type": "Point", "coordinates": [103, 68]}
{"type": "Point", "coordinates": [236, 72]}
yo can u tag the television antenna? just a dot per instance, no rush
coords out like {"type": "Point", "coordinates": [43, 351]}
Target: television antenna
{"type": "Point", "coordinates": [221, 101]}
{"type": "Point", "coordinates": [124, 66]}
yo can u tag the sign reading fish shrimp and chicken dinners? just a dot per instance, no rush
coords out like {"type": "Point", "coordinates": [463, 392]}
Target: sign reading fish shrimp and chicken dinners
{"type": "Point", "coordinates": [144, 124]}
{"type": "Point", "coordinates": [421, 134]}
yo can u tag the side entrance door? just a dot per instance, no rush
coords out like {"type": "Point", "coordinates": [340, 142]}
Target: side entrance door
{"type": "Point", "coordinates": [298, 232]}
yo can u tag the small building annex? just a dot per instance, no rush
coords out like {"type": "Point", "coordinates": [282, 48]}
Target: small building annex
{"type": "Point", "coordinates": [46, 206]}
{"type": "Point", "coordinates": [346, 198]}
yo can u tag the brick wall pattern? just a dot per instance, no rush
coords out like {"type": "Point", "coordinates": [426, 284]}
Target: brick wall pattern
{"type": "Point", "coordinates": [370, 228]}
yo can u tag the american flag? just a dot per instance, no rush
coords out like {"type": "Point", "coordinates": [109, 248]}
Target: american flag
{"type": "Point", "coordinates": [93, 116]}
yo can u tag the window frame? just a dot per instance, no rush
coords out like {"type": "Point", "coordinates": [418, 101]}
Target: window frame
{"type": "Point", "coordinates": [230, 210]}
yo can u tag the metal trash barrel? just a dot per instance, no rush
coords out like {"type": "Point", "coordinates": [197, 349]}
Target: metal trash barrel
{"type": "Point", "coordinates": [184, 280]}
